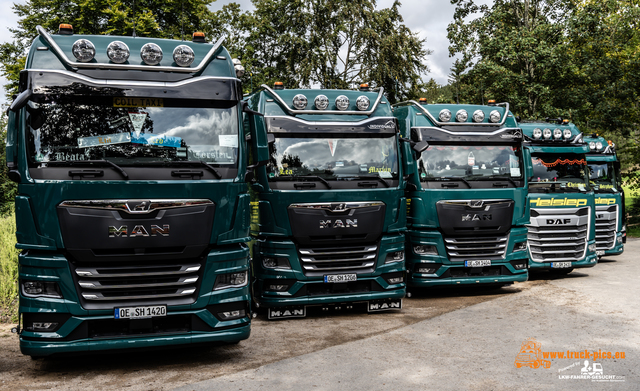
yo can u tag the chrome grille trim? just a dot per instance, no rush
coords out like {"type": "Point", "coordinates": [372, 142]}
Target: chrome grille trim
{"type": "Point", "coordinates": [125, 205]}
{"type": "Point", "coordinates": [326, 260]}
{"type": "Point", "coordinates": [606, 226]}
{"type": "Point", "coordinates": [466, 248]}
{"type": "Point", "coordinates": [566, 242]}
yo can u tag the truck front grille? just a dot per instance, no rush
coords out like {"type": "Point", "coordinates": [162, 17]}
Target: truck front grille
{"type": "Point", "coordinates": [107, 286]}
{"type": "Point", "coordinates": [352, 259]}
{"type": "Point", "coordinates": [606, 224]}
{"type": "Point", "coordinates": [462, 249]}
{"type": "Point", "coordinates": [559, 234]}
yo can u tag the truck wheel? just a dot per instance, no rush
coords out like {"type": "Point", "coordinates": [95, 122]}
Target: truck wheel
{"type": "Point", "coordinates": [561, 272]}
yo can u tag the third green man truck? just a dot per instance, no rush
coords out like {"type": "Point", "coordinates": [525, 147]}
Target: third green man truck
{"type": "Point", "coordinates": [467, 193]}
{"type": "Point", "coordinates": [330, 212]}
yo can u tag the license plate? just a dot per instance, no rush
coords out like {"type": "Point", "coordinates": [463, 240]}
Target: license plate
{"type": "Point", "coordinates": [599, 253]}
{"type": "Point", "coordinates": [140, 312]}
{"type": "Point", "coordinates": [287, 312]}
{"type": "Point", "coordinates": [478, 263]}
{"type": "Point", "coordinates": [339, 277]}
{"type": "Point", "coordinates": [560, 265]}
{"type": "Point", "coordinates": [384, 305]}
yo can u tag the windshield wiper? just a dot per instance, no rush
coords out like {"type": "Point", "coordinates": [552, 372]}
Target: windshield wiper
{"type": "Point", "coordinates": [82, 162]}
{"type": "Point", "coordinates": [295, 177]}
{"type": "Point", "coordinates": [208, 166]}
{"type": "Point", "coordinates": [452, 178]}
{"type": "Point", "coordinates": [504, 177]}
{"type": "Point", "coordinates": [378, 177]}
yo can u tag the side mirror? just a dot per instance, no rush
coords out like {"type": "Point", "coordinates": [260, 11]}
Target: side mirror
{"type": "Point", "coordinates": [420, 146]}
{"type": "Point", "coordinates": [20, 101]}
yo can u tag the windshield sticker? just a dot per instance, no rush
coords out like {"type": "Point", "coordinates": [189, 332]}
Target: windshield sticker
{"type": "Point", "coordinates": [211, 153]}
{"type": "Point", "coordinates": [137, 120]}
{"type": "Point", "coordinates": [381, 169]}
{"type": "Point", "coordinates": [604, 186]}
{"type": "Point", "coordinates": [332, 146]}
{"type": "Point", "coordinates": [515, 171]}
{"type": "Point", "coordinates": [471, 160]}
{"type": "Point", "coordinates": [286, 172]}
{"type": "Point", "coordinates": [339, 164]}
{"type": "Point", "coordinates": [559, 161]}
{"type": "Point", "coordinates": [576, 185]}
{"type": "Point", "coordinates": [159, 140]}
{"type": "Point", "coordinates": [228, 140]}
{"type": "Point", "coordinates": [385, 174]}
{"type": "Point", "coordinates": [107, 139]}
{"type": "Point", "coordinates": [138, 102]}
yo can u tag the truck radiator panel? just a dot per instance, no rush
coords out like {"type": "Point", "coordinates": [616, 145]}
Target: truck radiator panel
{"type": "Point", "coordinates": [558, 234]}
{"type": "Point", "coordinates": [318, 261]}
{"type": "Point", "coordinates": [606, 224]}
{"type": "Point", "coordinates": [465, 248]}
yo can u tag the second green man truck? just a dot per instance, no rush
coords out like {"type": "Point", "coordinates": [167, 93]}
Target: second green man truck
{"type": "Point", "coordinates": [467, 191]}
{"type": "Point", "coordinates": [132, 211]}
{"type": "Point", "coordinates": [605, 178]}
{"type": "Point", "coordinates": [330, 212]}
{"type": "Point", "coordinates": [562, 228]}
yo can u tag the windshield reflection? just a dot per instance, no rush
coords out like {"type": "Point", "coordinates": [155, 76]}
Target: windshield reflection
{"type": "Point", "coordinates": [603, 175]}
{"type": "Point", "coordinates": [470, 162]}
{"type": "Point", "coordinates": [558, 172]}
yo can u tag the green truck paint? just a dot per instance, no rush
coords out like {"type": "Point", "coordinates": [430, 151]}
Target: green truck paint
{"type": "Point", "coordinates": [561, 201]}
{"type": "Point", "coordinates": [133, 212]}
{"type": "Point", "coordinates": [467, 193]}
{"type": "Point", "coordinates": [329, 212]}
{"type": "Point", "coordinates": [606, 180]}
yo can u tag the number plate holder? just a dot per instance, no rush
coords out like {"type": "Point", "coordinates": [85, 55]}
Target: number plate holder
{"type": "Point", "coordinates": [478, 263]}
{"type": "Point", "coordinates": [333, 278]}
{"type": "Point", "coordinates": [560, 265]}
{"type": "Point", "coordinates": [141, 312]}
{"type": "Point", "coordinates": [599, 253]}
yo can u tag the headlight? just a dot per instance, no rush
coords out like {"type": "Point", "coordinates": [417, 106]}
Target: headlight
{"type": "Point", "coordinates": [592, 145]}
{"type": "Point", "coordinates": [422, 249]}
{"type": "Point", "coordinates": [537, 133]}
{"type": "Point", "coordinates": [300, 102]}
{"type": "Point", "coordinates": [362, 103]}
{"type": "Point", "coordinates": [478, 116]}
{"type": "Point", "coordinates": [445, 115]}
{"type": "Point", "coordinates": [231, 280]}
{"type": "Point", "coordinates": [567, 133]}
{"type": "Point", "coordinates": [321, 102]}
{"type": "Point", "coordinates": [118, 52]}
{"type": "Point", "coordinates": [462, 115]}
{"type": "Point", "coordinates": [395, 280]}
{"type": "Point", "coordinates": [546, 133]}
{"type": "Point", "coordinates": [151, 54]}
{"type": "Point", "coordinates": [276, 263]}
{"type": "Point", "coordinates": [425, 270]}
{"type": "Point", "coordinates": [598, 145]}
{"type": "Point", "coordinates": [41, 289]}
{"type": "Point", "coordinates": [342, 103]}
{"type": "Point", "coordinates": [592, 247]}
{"type": "Point", "coordinates": [83, 50]}
{"type": "Point", "coordinates": [231, 315]}
{"type": "Point", "coordinates": [396, 256]}
{"type": "Point", "coordinates": [520, 246]}
{"type": "Point", "coordinates": [494, 116]}
{"type": "Point", "coordinates": [183, 55]}
{"type": "Point", "coordinates": [557, 134]}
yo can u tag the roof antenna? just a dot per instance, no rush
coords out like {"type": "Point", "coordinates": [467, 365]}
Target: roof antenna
{"type": "Point", "coordinates": [134, 18]}
{"type": "Point", "coordinates": [182, 21]}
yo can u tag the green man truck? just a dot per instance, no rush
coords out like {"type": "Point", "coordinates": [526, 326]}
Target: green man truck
{"type": "Point", "coordinates": [329, 214]}
{"type": "Point", "coordinates": [467, 193]}
{"type": "Point", "coordinates": [562, 205]}
{"type": "Point", "coordinates": [606, 180]}
{"type": "Point", "coordinates": [132, 210]}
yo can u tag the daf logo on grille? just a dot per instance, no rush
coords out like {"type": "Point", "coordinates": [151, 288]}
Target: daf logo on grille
{"type": "Point", "coordinates": [475, 203]}
{"type": "Point", "coordinates": [558, 221]}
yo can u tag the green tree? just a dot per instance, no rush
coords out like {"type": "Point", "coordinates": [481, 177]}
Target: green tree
{"type": "Point", "coordinates": [8, 189]}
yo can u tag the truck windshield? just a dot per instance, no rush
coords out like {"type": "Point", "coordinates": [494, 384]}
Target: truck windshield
{"type": "Point", "coordinates": [603, 175]}
{"type": "Point", "coordinates": [478, 162]}
{"type": "Point", "coordinates": [130, 131]}
{"type": "Point", "coordinates": [558, 173]}
{"type": "Point", "coordinates": [332, 158]}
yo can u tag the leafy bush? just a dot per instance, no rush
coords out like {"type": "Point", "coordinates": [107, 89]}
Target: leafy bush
{"type": "Point", "coordinates": [8, 269]}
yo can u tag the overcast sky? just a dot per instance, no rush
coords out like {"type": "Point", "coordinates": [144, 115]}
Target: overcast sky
{"type": "Point", "coordinates": [428, 18]}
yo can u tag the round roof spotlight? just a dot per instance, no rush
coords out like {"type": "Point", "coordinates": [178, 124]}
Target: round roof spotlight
{"type": "Point", "coordinates": [151, 54]}
{"type": "Point", "coordinates": [237, 65]}
{"type": "Point", "coordinates": [321, 102]}
{"type": "Point", "coordinates": [495, 116]}
{"type": "Point", "coordinates": [537, 133]}
{"type": "Point", "coordinates": [83, 50]}
{"type": "Point", "coordinates": [478, 116]}
{"type": "Point", "coordinates": [592, 145]}
{"type": "Point", "coordinates": [183, 55]}
{"type": "Point", "coordinates": [300, 102]}
{"type": "Point", "coordinates": [445, 115]}
{"type": "Point", "coordinates": [362, 103]}
{"type": "Point", "coordinates": [567, 133]}
{"type": "Point", "coordinates": [557, 134]}
{"type": "Point", "coordinates": [462, 115]}
{"type": "Point", "coordinates": [598, 146]}
{"type": "Point", "coordinates": [118, 52]}
{"type": "Point", "coordinates": [342, 103]}
{"type": "Point", "coordinates": [546, 133]}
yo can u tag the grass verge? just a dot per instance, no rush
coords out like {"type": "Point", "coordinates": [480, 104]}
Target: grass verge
{"type": "Point", "coordinates": [8, 270]}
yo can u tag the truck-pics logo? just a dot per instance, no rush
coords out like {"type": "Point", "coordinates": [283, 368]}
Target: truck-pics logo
{"type": "Point", "coordinates": [530, 355]}
{"type": "Point", "coordinates": [558, 202]}
{"type": "Point", "coordinates": [339, 223]}
{"type": "Point", "coordinates": [138, 231]}
{"type": "Point", "coordinates": [476, 217]}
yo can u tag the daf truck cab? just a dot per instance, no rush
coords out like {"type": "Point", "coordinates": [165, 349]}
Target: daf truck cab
{"type": "Point", "coordinates": [467, 193]}
{"type": "Point", "coordinates": [132, 213]}
{"type": "Point", "coordinates": [329, 212]}
{"type": "Point", "coordinates": [606, 180]}
{"type": "Point", "coordinates": [562, 205]}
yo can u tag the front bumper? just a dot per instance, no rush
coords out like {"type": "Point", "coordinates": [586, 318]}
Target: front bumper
{"type": "Point", "coordinates": [588, 261]}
